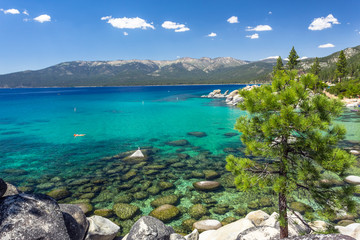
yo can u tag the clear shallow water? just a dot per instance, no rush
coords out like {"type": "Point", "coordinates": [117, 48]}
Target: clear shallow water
{"type": "Point", "coordinates": [40, 153]}
{"type": "Point", "coordinates": [37, 125]}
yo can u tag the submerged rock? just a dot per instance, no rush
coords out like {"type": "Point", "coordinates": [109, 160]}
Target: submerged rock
{"type": "Point", "coordinates": [230, 134]}
{"type": "Point", "coordinates": [26, 216]}
{"type": "Point", "coordinates": [177, 143]}
{"type": "Point", "coordinates": [59, 193]}
{"type": "Point", "coordinates": [197, 211]}
{"type": "Point", "coordinates": [125, 211]}
{"type": "Point", "coordinates": [210, 174]}
{"type": "Point", "coordinates": [165, 212]}
{"type": "Point", "coordinates": [104, 212]}
{"type": "Point", "coordinates": [206, 185]}
{"type": "Point", "coordinates": [171, 199]}
{"type": "Point", "coordinates": [197, 134]}
{"type": "Point", "coordinates": [353, 180]}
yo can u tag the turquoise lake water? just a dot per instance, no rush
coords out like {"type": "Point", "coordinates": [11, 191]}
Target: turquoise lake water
{"type": "Point", "coordinates": [39, 151]}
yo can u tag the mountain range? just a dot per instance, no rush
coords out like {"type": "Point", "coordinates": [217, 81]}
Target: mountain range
{"type": "Point", "coordinates": [148, 72]}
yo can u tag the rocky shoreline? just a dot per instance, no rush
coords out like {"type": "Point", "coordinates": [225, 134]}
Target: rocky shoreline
{"type": "Point", "coordinates": [52, 217]}
{"type": "Point", "coordinates": [37, 216]}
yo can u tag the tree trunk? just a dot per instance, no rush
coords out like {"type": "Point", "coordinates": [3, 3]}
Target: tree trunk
{"type": "Point", "coordinates": [284, 231]}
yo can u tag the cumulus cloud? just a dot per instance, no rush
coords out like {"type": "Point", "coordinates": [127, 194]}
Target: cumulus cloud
{"type": "Point", "coordinates": [270, 12]}
{"type": "Point", "coordinates": [212, 35]}
{"type": "Point", "coordinates": [259, 28]}
{"type": "Point", "coordinates": [176, 26]}
{"type": "Point", "coordinates": [233, 19]}
{"type": "Point", "coordinates": [328, 45]}
{"type": "Point", "coordinates": [129, 23]}
{"type": "Point", "coordinates": [25, 12]}
{"type": "Point", "coordinates": [323, 23]}
{"type": "Point", "coordinates": [125, 34]}
{"type": "Point", "coordinates": [10, 11]}
{"type": "Point", "coordinates": [43, 18]}
{"type": "Point", "coordinates": [106, 18]}
{"type": "Point", "coordinates": [254, 36]}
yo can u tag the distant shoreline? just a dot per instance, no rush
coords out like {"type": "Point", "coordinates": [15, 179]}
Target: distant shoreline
{"type": "Point", "coordinates": [217, 84]}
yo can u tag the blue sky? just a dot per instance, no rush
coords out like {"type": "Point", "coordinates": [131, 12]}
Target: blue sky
{"type": "Point", "coordinates": [40, 33]}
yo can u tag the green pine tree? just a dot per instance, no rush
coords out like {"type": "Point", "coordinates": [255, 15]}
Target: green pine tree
{"type": "Point", "coordinates": [315, 68]}
{"type": "Point", "coordinates": [341, 66]}
{"type": "Point", "coordinates": [279, 65]}
{"type": "Point", "coordinates": [290, 136]}
{"type": "Point", "coordinates": [293, 59]}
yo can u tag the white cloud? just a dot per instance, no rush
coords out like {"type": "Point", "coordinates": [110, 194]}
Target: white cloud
{"type": "Point", "coordinates": [259, 28]}
{"type": "Point", "coordinates": [323, 23]}
{"type": "Point", "coordinates": [129, 23]}
{"type": "Point", "coordinates": [10, 11]}
{"type": "Point", "coordinates": [125, 34]}
{"type": "Point", "coordinates": [233, 19]}
{"type": "Point", "coordinates": [271, 57]}
{"type": "Point", "coordinates": [212, 35]}
{"type": "Point", "coordinates": [43, 18]}
{"type": "Point", "coordinates": [254, 36]}
{"type": "Point", "coordinates": [328, 45]}
{"type": "Point", "coordinates": [270, 12]}
{"type": "Point", "coordinates": [173, 25]}
{"type": "Point", "coordinates": [106, 18]}
{"type": "Point", "coordinates": [25, 12]}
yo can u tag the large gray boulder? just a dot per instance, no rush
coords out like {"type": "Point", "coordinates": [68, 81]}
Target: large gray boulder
{"type": "Point", "coordinates": [34, 216]}
{"type": "Point", "coordinates": [75, 221]}
{"type": "Point", "coordinates": [149, 228]}
{"type": "Point", "coordinates": [101, 228]}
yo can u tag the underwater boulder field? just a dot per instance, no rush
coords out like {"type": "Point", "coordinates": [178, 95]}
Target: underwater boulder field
{"type": "Point", "coordinates": [184, 139]}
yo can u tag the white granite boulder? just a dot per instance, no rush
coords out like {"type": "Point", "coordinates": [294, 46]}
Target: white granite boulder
{"type": "Point", "coordinates": [352, 230]}
{"type": "Point", "coordinates": [101, 228]}
{"type": "Point", "coordinates": [205, 225]}
{"type": "Point", "coordinates": [257, 217]}
{"type": "Point", "coordinates": [194, 235]}
{"type": "Point", "coordinates": [229, 231]}
{"type": "Point", "coordinates": [75, 221]}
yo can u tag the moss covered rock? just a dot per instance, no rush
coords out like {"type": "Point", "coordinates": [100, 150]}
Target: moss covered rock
{"type": "Point", "coordinates": [210, 174]}
{"type": "Point", "coordinates": [130, 174]}
{"type": "Point", "coordinates": [265, 202]}
{"type": "Point", "coordinates": [128, 198]}
{"type": "Point", "coordinates": [171, 199]}
{"type": "Point", "coordinates": [165, 185]}
{"type": "Point", "coordinates": [165, 213]}
{"type": "Point", "coordinates": [220, 210]}
{"type": "Point", "coordinates": [228, 220]}
{"type": "Point", "coordinates": [125, 211]}
{"type": "Point", "coordinates": [59, 193]}
{"type": "Point", "coordinates": [141, 195]}
{"type": "Point", "coordinates": [197, 211]}
{"type": "Point", "coordinates": [153, 190]}
{"type": "Point", "coordinates": [240, 212]}
{"type": "Point", "coordinates": [187, 224]}
{"type": "Point", "coordinates": [253, 205]}
{"type": "Point", "coordinates": [104, 212]}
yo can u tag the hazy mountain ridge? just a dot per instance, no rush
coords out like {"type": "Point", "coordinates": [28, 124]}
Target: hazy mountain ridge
{"type": "Point", "coordinates": [168, 72]}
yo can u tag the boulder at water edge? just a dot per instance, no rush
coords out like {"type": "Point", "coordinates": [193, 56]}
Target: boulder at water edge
{"type": "Point", "coordinates": [229, 231]}
{"type": "Point", "coordinates": [257, 217]}
{"type": "Point", "coordinates": [352, 230]}
{"type": "Point", "coordinates": [353, 180]}
{"type": "Point", "coordinates": [149, 228]}
{"type": "Point", "coordinates": [101, 228]}
{"type": "Point", "coordinates": [26, 216]}
{"type": "Point", "coordinates": [205, 225]}
{"type": "Point", "coordinates": [75, 221]}
{"type": "Point", "coordinates": [259, 232]}
{"type": "Point", "coordinates": [3, 187]}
